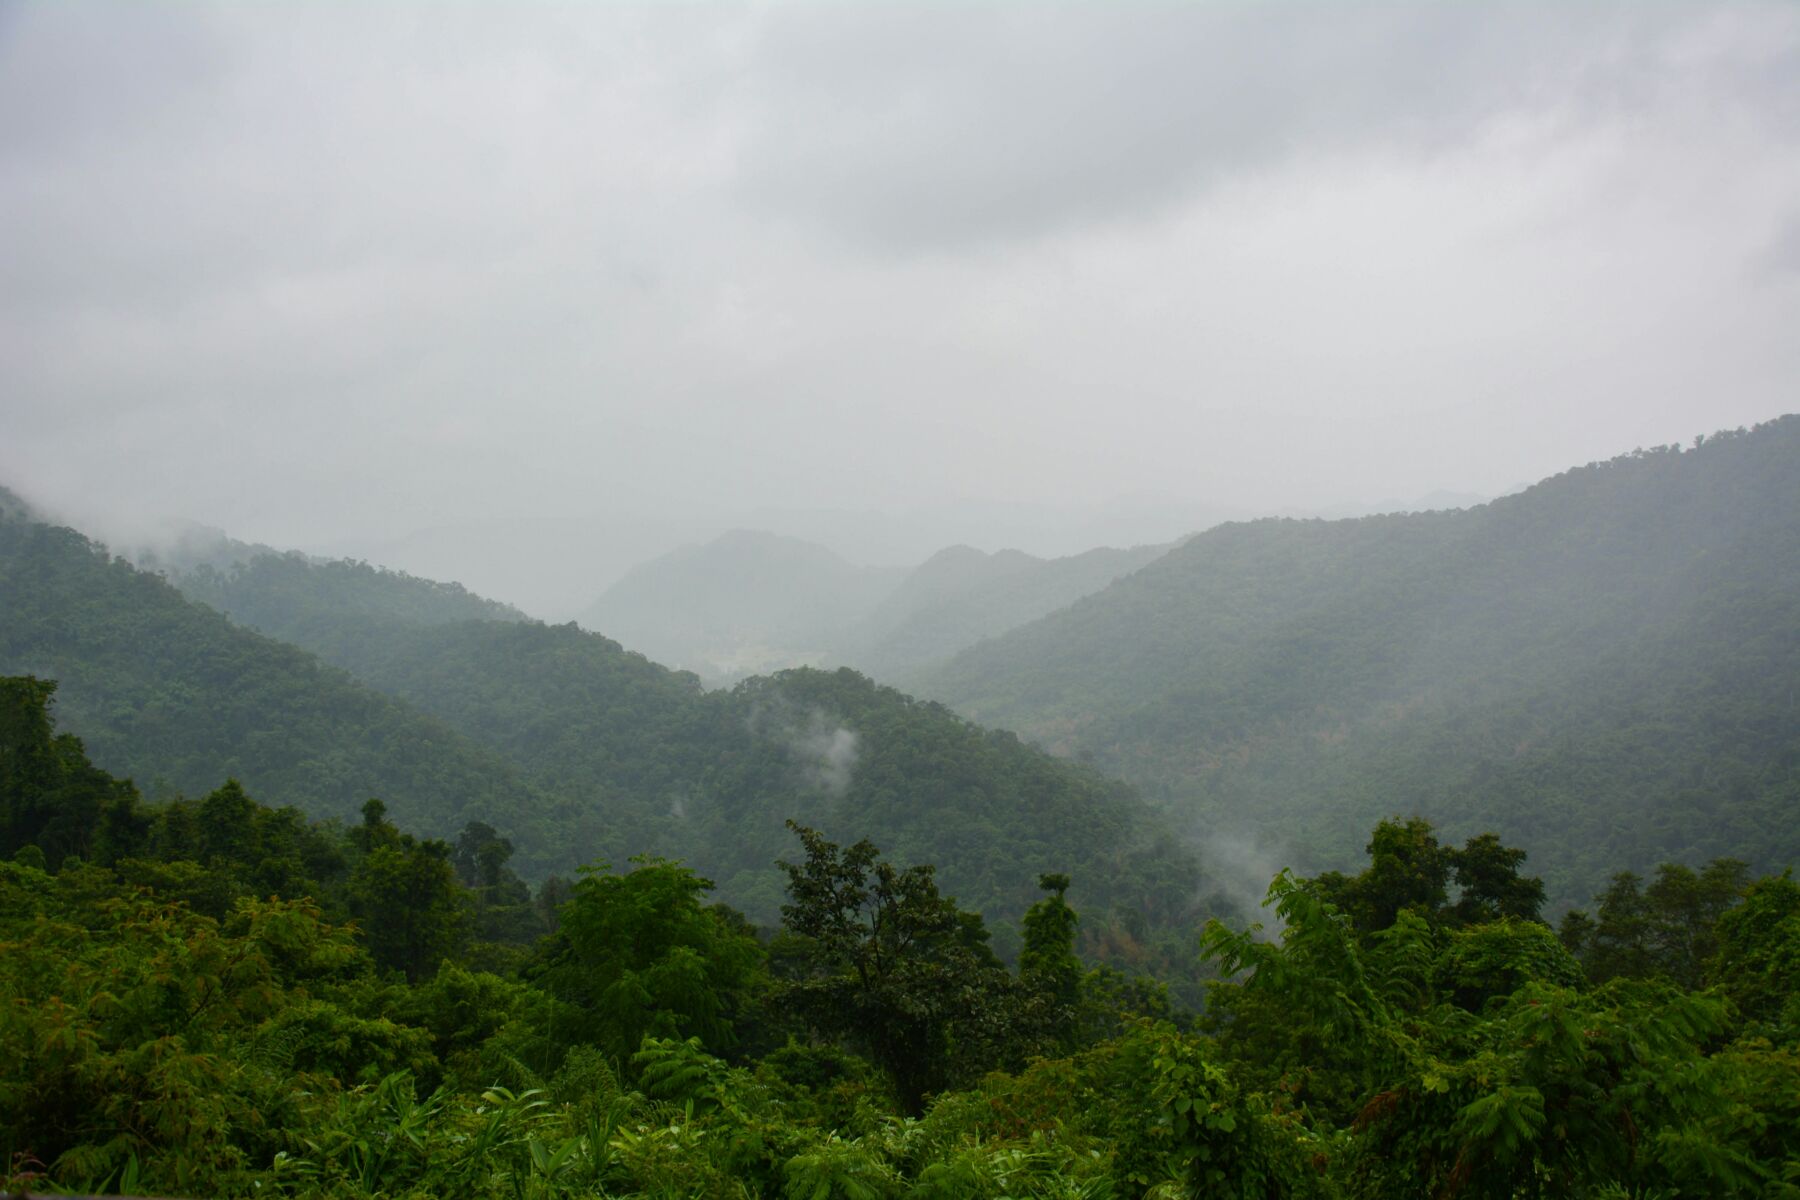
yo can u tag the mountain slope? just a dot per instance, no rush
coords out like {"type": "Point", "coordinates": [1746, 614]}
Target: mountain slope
{"type": "Point", "coordinates": [291, 596]}
{"type": "Point", "coordinates": [711, 777]}
{"type": "Point", "coordinates": [1604, 668]}
{"type": "Point", "coordinates": [171, 692]}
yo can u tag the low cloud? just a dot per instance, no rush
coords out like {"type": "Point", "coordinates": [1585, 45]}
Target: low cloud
{"type": "Point", "coordinates": [1237, 869]}
{"type": "Point", "coordinates": [824, 751]}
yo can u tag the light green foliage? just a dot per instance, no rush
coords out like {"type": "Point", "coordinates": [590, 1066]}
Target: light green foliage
{"type": "Point", "coordinates": [137, 1027]}
{"type": "Point", "coordinates": [1185, 1128]}
{"type": "Point", "coordinates": [1486, 963]}
{"type": "Point", "coordinates": [1466, 1062]}
{"type": "Point", "coordinates": [1309, 1017]}
{"type": "Point", "coordinates": [1553, 1089]}
{"type": "Point", "coordinates": [835, 1169]}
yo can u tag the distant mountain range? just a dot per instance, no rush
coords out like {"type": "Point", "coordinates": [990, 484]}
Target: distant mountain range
{"type": "Point", "coordinates": [752, 601]}
{"type": "Point", "coordinates": [1603, 668]}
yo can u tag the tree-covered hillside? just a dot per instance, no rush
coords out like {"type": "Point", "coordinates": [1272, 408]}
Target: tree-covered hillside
{"type": "Point", "coordinates": [711, 777]}
{"type": "Point", "coordinates": [288, 595]}
{"type": "Point", "coordinates": [175, 695]}
{"type": "Point", "coordinates": [1605, 668]}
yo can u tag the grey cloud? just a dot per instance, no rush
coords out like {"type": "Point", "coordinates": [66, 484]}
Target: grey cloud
{"type": "Point", "coordinates": [1780, 258]}
{"type": "Point", "coordinates": [404, 276]}
{"type": "Point", "coordinates": [936, 128]}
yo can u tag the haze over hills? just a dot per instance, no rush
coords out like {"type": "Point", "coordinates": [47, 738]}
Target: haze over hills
{"type": "Point", "coordinates": [554, 566]}
{"type": "Point", "coordinates": [747, 601]}
{"type": "Point", "coordinates": [1601, 668]}
{"type": "Point", "coordinates": [960, 596]}
{"type": "Point", "coordinates": [750, 602]}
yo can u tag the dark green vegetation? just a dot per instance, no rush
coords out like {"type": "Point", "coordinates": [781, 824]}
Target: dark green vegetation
{"type": "Point", "coordinates": [1602, 668]}
{"type": "Point", "coordinates": [216, 998]}
{"type": "Point", "coordinates": [180, 698]}
{"type": "Point", "coordinates": [567, 745]}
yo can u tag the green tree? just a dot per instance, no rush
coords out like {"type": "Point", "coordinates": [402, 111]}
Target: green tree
{"type": "Point", "coordinates": [405, 897]}
{"type": "Point", "coordinates": [1664, 930]}
{"type": "Point", "coordinates": [1047, 962]}
{"type": "Point", "coordinates": [1410, 869]}
{"type": "Point", "coordinates": [1492, 888]}
{"type": "Point", "coordinates": [51, 796]}
{"type": "Point", "coordinates": [895, 969]}
{"type": "Point", "coordinates": [641, 955]}
{"type": "Point", "coordinates": [1758, 959]}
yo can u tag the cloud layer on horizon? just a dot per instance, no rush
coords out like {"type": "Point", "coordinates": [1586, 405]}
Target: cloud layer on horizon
{"type": "Point", "coordinates": [312, 271]}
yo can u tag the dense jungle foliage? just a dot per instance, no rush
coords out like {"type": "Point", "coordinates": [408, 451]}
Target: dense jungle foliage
{"type": "Point", "coordinates": [568, 745]}
{"type": "Point", "coordinates": [218, 998]}
{"type": "Point", "coordinates": [1601, 668]}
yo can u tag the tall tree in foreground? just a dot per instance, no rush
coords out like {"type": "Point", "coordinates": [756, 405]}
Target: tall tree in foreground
{"type": "Point", "coordinates": [897, 970]}
{"type": "Point", "coordinates": [405, 896]}
{"type": "Point", "coordinates": [1410, 870]}
{"type": "Point", "coordinates": [641, 954]}
{"type": "Point", "coordinates": [51, 796]}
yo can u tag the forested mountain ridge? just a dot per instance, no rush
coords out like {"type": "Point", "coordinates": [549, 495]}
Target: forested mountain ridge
{"type": "Point", "coordinates": [284, 595]}
{"type": "Point", "coordinates": [13, 507]}
{"type": "Point", "coordinates": [174, 694]}
{"type": "Point", "coordinates": [1604, 667]}
{"type": "Point", "coordinates": [575, 748]}
{"type": "Point", "coordinates": [711, 777]}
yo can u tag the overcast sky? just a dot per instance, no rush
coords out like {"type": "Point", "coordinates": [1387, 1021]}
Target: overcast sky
{"type": "Point", "coordinates": [318, 273]}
